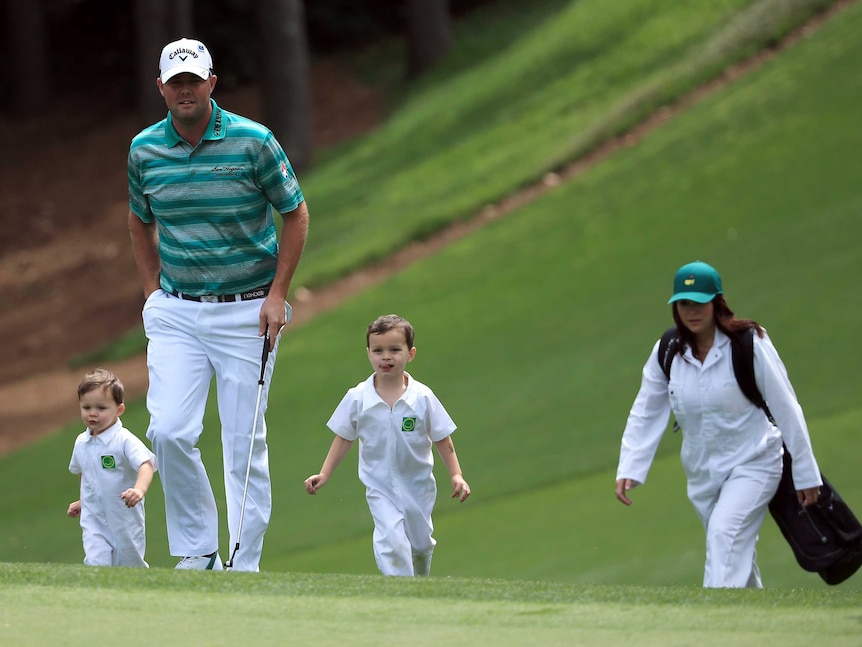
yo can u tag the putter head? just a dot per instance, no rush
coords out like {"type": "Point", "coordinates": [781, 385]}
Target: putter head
{"type": "Point", "coordinates": [229, 563]}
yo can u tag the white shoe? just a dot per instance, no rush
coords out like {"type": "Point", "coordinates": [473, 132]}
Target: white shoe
{"type": "Point", "coordinates": [203, 563]}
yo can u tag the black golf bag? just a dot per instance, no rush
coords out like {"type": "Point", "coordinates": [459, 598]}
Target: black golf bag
{"type": "Point", "coordinates": [826, 537]}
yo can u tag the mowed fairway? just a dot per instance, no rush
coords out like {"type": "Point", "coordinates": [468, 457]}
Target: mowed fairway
{"type": "Point", "coordinates": [77, 606]}
{"type": "Point", "coordinates": [533, 332]}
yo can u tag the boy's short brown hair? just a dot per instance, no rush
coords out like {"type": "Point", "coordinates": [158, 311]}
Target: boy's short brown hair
{"type": "Point", "coordinates": [101, 378]}
{"type": "Point", "coordinates": [390, 322]}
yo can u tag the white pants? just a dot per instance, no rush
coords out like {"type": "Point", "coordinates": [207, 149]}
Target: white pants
{"type": "Point", "coordinates": [189, 343]}
{"type": "Point", "coordinates": [732, 512]}
{"type": "Point", "coordinates": [122, 542]}
{"type": "Point", "coordinates": [402, 539]}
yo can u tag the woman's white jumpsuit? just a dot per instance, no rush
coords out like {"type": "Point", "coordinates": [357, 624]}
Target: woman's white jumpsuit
{"type": "Point", "coordinates": [731, 453]}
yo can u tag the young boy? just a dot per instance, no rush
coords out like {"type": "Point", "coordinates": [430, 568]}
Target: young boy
{"type": "Point", "coordinates": [115, 469]}
{"type": "Point", "coordinates": [396, 420]}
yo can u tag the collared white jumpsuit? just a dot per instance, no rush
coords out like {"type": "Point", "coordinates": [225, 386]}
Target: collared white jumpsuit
{"type": "Point", "coordinates": [113, 534]}
{"type": "Point", "coordinates": [396, 466]}
{"type": "Point", "coordinates": [731, 453]}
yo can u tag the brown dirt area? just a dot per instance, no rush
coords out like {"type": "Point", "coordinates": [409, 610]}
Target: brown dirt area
{"type": "Point", "coordinates": [68, 280]}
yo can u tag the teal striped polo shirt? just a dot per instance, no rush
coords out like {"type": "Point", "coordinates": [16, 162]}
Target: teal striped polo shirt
{"type": "Point", "coordinates": [212, 203]}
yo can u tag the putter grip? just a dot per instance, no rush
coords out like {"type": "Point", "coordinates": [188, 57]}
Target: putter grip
{"type": "Point", "coordinates": [264, 355]}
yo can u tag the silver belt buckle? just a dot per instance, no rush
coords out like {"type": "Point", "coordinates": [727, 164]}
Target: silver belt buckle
{"type": "Point", "coordinates": [209, 298]}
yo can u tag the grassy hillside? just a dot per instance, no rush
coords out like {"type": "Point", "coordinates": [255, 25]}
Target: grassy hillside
{"type": "Point", "coordinates": [533, 331]}
{"type": "Point", "coordinates": [472, 135]}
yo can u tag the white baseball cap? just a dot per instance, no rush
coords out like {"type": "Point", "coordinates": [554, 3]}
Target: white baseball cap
{"type": "Point", "coordinates": [185, 55]}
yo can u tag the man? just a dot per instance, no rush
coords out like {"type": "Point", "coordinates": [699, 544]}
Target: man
{"type": "Point", "coordinates": [203, 184]}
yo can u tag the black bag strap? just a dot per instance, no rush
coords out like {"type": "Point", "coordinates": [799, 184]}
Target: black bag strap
{"type": "Point", "coordinates": [667, 348]}
{"type": "Point", "coordinates": [742, 355]}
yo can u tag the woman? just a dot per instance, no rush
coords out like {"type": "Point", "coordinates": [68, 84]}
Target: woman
{"type": "Point", "coordinates": [731, 452]}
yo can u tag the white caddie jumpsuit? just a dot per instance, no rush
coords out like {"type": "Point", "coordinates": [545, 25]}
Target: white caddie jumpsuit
{"type": "Point", "coordinates": [113, 534]}
{"type": "Point", "coordinates": [396, 466]}
{"type": "Point", "coordinates": [731, 453]}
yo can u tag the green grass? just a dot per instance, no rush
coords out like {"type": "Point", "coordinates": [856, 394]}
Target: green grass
{"type": "Point", "coordinates": [545, 98]}
{"type": "Point", "coordinates": [117, 606]}
{"type": "Point", "coordinates": [533, 332]}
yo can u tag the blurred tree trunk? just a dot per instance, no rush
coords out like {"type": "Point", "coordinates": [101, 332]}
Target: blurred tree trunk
{"type": "Point", "coordinates": [181, 21]}
{"type": "Point", "coordinates": [157, 22]}
{"type": "Point", "coordinates": [25, 31]}
{"type": "Point", "coordinates": [285, 79]}
{"type": "Point", "coordinates": [429, 34]}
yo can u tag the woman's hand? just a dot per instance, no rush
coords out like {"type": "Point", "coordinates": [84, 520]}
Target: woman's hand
{"type": "Point", "coordinates": [623, 486]}
{"type": "Point", "coordinates": [808, 496]}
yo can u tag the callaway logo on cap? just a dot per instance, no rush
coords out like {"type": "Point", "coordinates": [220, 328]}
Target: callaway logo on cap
{"type": "Point", "coordinates": [185, 55]}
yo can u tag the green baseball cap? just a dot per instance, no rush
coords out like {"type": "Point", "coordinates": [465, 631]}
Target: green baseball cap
{"type": "Point", "coordinates": [697, 282]}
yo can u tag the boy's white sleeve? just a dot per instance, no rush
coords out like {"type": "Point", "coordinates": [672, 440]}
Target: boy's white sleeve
{"type": "Point", "coordinates": [343, 419]}
{"type": "Point", "coordinates": [74, 467]}
{"type": "Point", "coordinates": [646, 423]}
{"type": "Point", "coordinates": [772, 380]}
{"type": "Point", "coordinates": [74, 463]}
{"type": "Point", "coordinates": [440, 423]}
{"type": "Point", "coordinates": [138, 453]}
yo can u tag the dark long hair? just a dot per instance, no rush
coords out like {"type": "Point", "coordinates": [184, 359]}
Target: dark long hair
{"type": "Point", "coordinates": [724, 320]}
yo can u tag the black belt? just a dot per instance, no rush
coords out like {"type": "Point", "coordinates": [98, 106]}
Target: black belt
{"type": "Point", "coordinates": [257, 293]}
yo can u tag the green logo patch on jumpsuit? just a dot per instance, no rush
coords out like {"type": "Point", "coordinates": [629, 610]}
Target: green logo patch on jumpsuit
{"type": "Point", "coordinates": [408, 424]}
{"type": "Point", "coordinates": [108, 463]}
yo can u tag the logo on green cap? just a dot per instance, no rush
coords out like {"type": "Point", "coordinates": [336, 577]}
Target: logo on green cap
{"type": "Point", "coordinates": [408, 424]}
{"type": "Point", "coordinates": [108, 463]}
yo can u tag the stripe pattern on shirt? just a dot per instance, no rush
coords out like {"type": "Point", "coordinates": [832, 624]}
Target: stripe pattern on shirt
{"type": "Point", "coordinates": [213, 203]}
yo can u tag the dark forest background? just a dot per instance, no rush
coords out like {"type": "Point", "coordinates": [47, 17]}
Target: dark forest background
{"type": "Point", "coordinates": [108, 49]}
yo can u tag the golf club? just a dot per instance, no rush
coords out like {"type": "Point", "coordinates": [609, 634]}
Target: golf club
{"type": "Point", "coordinates": [264, 357]}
